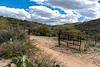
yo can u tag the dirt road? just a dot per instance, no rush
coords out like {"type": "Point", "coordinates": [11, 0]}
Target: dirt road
{"type": "Point", "coordinates": [66, 60]}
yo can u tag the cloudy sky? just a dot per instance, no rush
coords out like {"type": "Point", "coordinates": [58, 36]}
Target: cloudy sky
{"type": "Point", "coordinates": [51, 11]}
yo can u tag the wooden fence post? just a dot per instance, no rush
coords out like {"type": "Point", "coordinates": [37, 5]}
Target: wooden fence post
{"type": "Point", "coordinates": [95, 40]}
{"type": "Point", "coordinates": [79, 41]}
{"type": "Point", "coordinates": [59, 38]}
{"type": "Point", "coordinates": [67, 40]}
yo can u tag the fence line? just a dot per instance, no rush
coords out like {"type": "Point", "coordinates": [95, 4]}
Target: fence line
{"type": "Point", "coordinates": [79, 41]}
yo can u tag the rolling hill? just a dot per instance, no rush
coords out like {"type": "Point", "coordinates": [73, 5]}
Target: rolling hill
{"type": "Point", "coordinates": [90, 27]}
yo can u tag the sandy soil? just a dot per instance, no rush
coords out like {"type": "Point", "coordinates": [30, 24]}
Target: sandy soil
{"type": "Point", "coordinates": [67, 60]}
{"type": "Point", "coordinates": [4, 62]}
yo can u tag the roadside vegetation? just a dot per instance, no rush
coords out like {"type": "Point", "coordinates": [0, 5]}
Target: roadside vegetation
{"type": "Point", "coordinates": [15, 45]}
{"type": "Point", "coordinates": [14, 41]}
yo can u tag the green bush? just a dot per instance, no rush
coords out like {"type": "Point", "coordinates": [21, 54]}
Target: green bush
{"type": "Point", "coordinates": [5, 36]}
{"type": "Point", "coordinates": [17, 48]}
{"type": "Point", "coordinates": [16, 45]}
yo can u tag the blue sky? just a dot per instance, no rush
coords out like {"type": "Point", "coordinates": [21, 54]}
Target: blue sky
{"type": "Point", "coordinates": [17, 3]}
{"type": "Point", "coordinates": [51, 11]}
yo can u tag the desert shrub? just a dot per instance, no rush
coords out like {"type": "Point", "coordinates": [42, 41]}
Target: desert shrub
{"type": "Point", "coordinates": [21, 61]}
{"type": "Point", "coordinates": [43, 60]}
{"type": "Point", "coordinates": [4, 36]}
{"type": "Point", "coordinates": [17, 48]}
{"type": "Point", "coordinates": [40, 60]}
{"type": "Point", "coordinates": [43, 31]}
{"type": "Point", "coordinates": [14, 43]}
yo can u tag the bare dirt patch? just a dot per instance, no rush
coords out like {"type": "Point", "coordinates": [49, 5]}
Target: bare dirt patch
{"type": "Point", "coordinates": [4, 62]}
{"type": "Point", "coordinates": [67, 59]}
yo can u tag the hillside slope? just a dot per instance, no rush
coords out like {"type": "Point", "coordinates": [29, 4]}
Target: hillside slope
{"type": "Point", "coordinates": [90, 27]}
{"type": "Point", "coordinates": [35, 28]}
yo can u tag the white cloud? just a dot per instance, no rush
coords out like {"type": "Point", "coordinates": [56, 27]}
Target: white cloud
{"type": "Point", "coordinates": [87, 8]}
{"type": "Point", "coordinates": [50, 16]}
{"type": "Point", "coordinates": [16, 13]}
{"type": "Point", "coordinates": [74, 9]}
{"type": "Point", "coordinates": [73, 4]}
{"type": "Point", "coordinates": [46, 10]}
{"type": "Point", "coordinates": [40, 14]}
{"type": "Point", "coordinates": [90, 9]}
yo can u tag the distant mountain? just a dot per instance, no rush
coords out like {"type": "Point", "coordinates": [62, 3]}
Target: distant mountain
{"type": "Point", "coordinates": [90, 27]}
{"type": "Point", "coordinates": [20, 22]}
{"type": "Point", "coordinates": [35, 28]}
